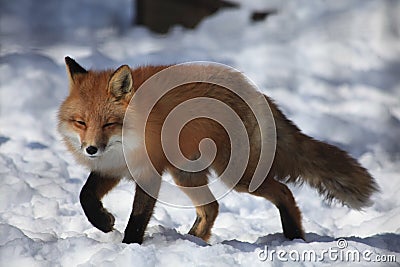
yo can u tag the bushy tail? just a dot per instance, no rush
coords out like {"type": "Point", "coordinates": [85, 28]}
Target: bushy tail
{"type": "Point", "coordinates": [336, 175]}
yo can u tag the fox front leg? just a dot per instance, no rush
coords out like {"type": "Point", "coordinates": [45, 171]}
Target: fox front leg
{"type": "Point", "coordinates": [143, 206]}
{"type": "Point", "coordinates": [90, 197]}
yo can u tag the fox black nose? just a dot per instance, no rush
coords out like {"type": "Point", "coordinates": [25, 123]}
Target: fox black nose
{"type": "Point", "coordinates": [91, 150]}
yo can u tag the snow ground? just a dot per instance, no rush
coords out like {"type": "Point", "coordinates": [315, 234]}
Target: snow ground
{"type": "Point", "coordinates": [333, 67]}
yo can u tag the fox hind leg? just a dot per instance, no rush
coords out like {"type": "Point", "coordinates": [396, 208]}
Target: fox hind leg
{"type": "Point", "coordinates": [281, 196]}
{"type": "Point", "coordinates": [194, 185]}
{"type": "Point", "coordinates": [206, 215]}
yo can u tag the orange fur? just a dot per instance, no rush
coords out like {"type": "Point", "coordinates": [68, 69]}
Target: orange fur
{"type": "Point", "coordinates": [93, 114]}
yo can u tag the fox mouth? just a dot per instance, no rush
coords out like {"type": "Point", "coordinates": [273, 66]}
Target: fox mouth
{"type": "Point", "coordinates": [94, 156]}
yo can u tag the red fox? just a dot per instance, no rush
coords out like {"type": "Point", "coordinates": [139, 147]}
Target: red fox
{"type": "Point", "coordinates": [91, 123]}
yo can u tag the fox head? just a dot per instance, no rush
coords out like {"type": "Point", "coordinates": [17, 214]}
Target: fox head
{"type": "Point", "coordinates": [91, 117]}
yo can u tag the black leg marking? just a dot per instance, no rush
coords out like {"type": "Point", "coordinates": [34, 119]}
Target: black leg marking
{"type": "Point", "coordinates": [97, 215]}
{"type": "Point", "coordinates": [291, 229]}
{"type": "Point", "coordinates": [192, 230]}
{"type": "Point", "coordinates": [143, 206]}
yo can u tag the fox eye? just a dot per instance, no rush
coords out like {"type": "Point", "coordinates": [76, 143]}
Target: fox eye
{"type": "Point", "coordinates": [80, 123]}
{"type": "Point", "coordinates": [109, 124]}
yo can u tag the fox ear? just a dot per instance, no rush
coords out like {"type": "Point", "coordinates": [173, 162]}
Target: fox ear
{"type": "Point", "coordinates": [121, 82]}
{"type": "Point", "coordinates": [73, 68]}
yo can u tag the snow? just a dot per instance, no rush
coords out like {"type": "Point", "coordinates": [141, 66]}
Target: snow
{"type": "Point", "coordinates": [332, 66]}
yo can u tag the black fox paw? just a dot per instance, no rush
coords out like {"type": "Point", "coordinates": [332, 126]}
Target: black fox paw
{"type": "Point", "coordinates": [104, 221]}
